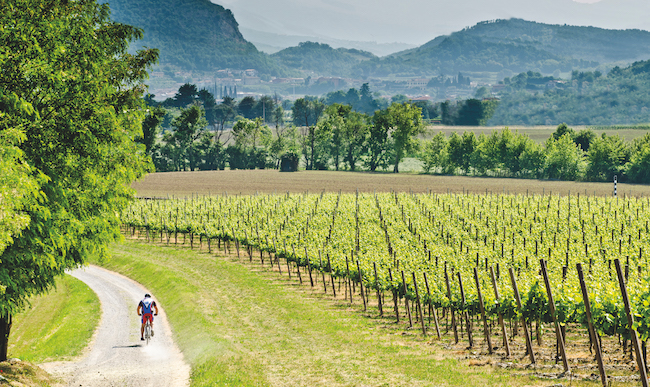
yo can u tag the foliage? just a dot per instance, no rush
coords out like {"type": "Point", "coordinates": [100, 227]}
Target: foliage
{"type": "Point", "coordinates": [444, 235]}
{"type": "Point", "coordinates": [620, 98]}
{"type": "Point", "coordinates": [66, 66]}
{"type": "Point", "coordinates": [404, 123]}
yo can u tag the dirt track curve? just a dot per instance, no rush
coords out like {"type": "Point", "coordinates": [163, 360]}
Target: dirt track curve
{"type": "Point", "coordinates": [116, 356]}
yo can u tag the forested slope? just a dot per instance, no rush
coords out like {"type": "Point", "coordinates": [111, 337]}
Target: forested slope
{"type": "Point", "coordinates": [192, 34]}
{"type": "Point", "coordinates": [322, 58]}
{"type": "Point", "coordinates": [620, 97]}
{"type": "Point", "coordinates": [516, 45]}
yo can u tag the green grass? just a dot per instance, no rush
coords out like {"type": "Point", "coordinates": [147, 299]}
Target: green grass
{"type": "Point", "coordinates": [58, 325]}
{"type": "Point", "coordinates": [239, 325]}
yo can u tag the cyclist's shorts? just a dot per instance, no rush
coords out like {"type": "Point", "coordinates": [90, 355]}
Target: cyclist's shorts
{"type": "Point", "coordinates": [147, 316]}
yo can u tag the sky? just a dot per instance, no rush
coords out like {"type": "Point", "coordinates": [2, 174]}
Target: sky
{"type": "Point", "coordinates": [418, 21]}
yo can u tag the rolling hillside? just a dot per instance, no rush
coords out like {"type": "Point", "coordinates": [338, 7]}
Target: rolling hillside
{"type": "Point", "coordinates": [516, 45]}
{"type": "Point", "coordinates": [322, 58]}
{"type": "Point", "coordinates": [619, 98]}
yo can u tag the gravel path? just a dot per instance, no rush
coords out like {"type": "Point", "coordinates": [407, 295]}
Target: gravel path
{"type": "Point", "coordinates": [116, 356]}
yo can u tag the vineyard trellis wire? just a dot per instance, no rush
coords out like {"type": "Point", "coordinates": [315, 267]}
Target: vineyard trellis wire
{"type": "Point", "coordinates": [405, 243]}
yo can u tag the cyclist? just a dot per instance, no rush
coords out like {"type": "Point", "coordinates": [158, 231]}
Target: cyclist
{"type": "Point", "coordinates": [145, 310]}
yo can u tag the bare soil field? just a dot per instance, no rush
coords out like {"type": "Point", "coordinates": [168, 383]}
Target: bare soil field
{"type": "Point", "coordinates": [246, 182]}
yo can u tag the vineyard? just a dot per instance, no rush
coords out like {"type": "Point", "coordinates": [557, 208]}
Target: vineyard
{"type": "Point", "coordinates": [463, 265]}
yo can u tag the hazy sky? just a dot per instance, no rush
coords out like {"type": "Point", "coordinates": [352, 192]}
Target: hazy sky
{"type": "Point", "coordinates": [418, 21]}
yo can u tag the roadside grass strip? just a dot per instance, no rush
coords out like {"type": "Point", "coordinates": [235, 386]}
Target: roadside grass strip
{"type": "Point", "coordinates": [239, 324]}
{"type": "Point", "coordinates": [58, 325]}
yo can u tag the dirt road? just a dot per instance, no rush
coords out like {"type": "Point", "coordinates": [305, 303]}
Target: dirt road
{"type": "Point", "coordinates": [116, 356]}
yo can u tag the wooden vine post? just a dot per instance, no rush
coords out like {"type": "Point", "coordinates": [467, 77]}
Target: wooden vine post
{"type": "Point", "coordinates": [453, 315]}
{"type": "Point", "coordinates": [381, 311]}
{"type": "Point", "coordinates": [630, 319]}
{"type": "Point", "coordinates": [431, 308]}
{"type": "Point", "coordinates": [406, 300]}
{"type": "Point", "coordinates": [396, 307]}
{"type": "Point", "coordinates": [311, 280]}
{"type": "Point", "coordinates": [551, 303]}
{"type": "Point", "coordinates": [277, 260]}
{"type": "Point", "coordinates": [592, 331]}
{"type": "Point", "coordinates": [529, 344]}
{"type": "Point", "coordinates": [320, 264]}
{"type": "Point", "coordinates": [417, 297]}
{"type": "Point", "coordinates": [501, 322]}
{"type": "Point", "coordinates": [486, 329]}
{"type": "Point", "coordinates": [236, 242]}
{"type": "Point", "coordinates": [468, 322]}
{"type": "Point", "coordinates": [297, 263]}
{"type": "Point", "coordinates": [286, 257]}
{"type": "Point", "coordinates": [329, 268]}
{"type": "Point", "coordinates": [363, 298]}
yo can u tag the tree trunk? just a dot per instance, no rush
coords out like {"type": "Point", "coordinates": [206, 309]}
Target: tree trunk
{"type": "Point", "coordinates": [5, 328]}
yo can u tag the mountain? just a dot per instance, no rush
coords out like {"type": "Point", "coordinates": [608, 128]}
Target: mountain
{"type": "Point", "coordinates": [192, 35]}
{"type": "Point", "coordinates": [417, 21]}
{"type": "Point", "coordinates": [271, 43]}
{"type": "Point", "coordinates": [515, 45]}
{"type": "Point", "coordinates": [588, 43]}
{"type": "Point", "coordinates": [322, 59]}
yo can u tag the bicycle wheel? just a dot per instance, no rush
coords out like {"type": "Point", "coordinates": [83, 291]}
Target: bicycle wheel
{"type": "Point", "coordinates": [147, 332]}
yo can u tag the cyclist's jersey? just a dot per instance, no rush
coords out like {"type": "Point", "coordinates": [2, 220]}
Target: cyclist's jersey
{"type": "Point", "coordinates": [147, 305]}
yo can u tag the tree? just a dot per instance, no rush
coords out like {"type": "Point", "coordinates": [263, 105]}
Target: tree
{"type": "Point", "coordinates": [367, 103]}
{"type": "Point", "coordinates": [150, 126]}
{"type": "Point", "coordinates": [461, 149]}
{"type": "Point", "coordinates": [334, 122]}
{"type": "Point", "coordinates": [638, 169]}
{"type": "Point", "coordinates": [186, 94]}
{"type": "Point", "coordinates": [264, 108]}
{"type": "Point", "coordinates": [209, 105]}
{"type": "Point", "coordinates": [561, 130]}
{"type": "Point", "coordinates": [65, 65]}
{"type": "Point", "coordinates": [251, 141]}
{"type": "Point", "coordinates": [405, 121]}
{"type": "Point", "coordinates": [434, 152]}
{"type": "Point", "coordinates": [584, 138]}
{"type": "Point", "coordinates": [533, 159]}
{"type": "Point", "coordinates": [223, 113]}
{"type": "Point", "coordinates": [564, 159]}
{"type": "Point", "coordinates": [378, 141]}
{"type": "Point", "coordinates": [306, 111]}
{"type": "Point", "coordinates": [247, 107]}
{"type": "Point", "coordinates": [355, 133]}
{"type": "Point", "coordinates": [278, 116]}
{"type": "Point", "coordinates": [606, 157]}
{"type": "Point", "coordinates": [188, 130]}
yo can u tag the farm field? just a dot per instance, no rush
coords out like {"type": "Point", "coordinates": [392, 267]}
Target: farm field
{"type": "Point", "coordinates": [246, 182]}
{"type": "Point", "coordinates": [538, 134]}
{"type": "Point", "coordinates": [391, 244]}
{"type": "Point", "coordinates": [240, 324]}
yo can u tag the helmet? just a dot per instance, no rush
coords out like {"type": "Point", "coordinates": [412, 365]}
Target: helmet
{"type": "Point", "coordinates": [147, 295]}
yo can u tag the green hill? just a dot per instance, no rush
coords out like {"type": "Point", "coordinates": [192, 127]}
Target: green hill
{"type": "Point", "coordinates": [192, 35]}
{"type": "Point", "coordinates": [322, 58]}
{"type": "Point", "coordinates": [516, 45]}
{"type": "Point", "coordinates": [620, 98]}
{"type": "Point", "coordinates": [587, 43]}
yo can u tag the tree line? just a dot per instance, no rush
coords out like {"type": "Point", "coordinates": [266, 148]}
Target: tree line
{"type": "Point", "coordinates": [566, 155]}
{"type": "Point", "coordinates": [343, 130]}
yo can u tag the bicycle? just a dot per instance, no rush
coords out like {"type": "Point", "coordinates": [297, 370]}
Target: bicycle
{"type": "Point", "coordinates": [147, 332]}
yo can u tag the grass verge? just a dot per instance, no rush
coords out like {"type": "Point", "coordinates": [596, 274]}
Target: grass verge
{"type": "Point", "coordinates": [239, 325]}
{"type": "Point", "coordinates": [58, 325]}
